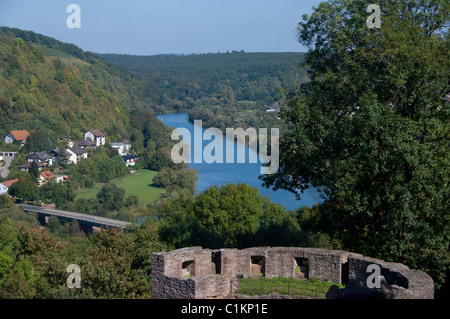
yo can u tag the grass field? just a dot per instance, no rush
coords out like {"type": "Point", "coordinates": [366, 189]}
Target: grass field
{"type": "Point", "coordinates": [285, 286]}
{"type": "Point", "coordinates": [138, 184]}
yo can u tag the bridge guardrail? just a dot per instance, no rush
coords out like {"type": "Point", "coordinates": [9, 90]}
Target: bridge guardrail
{"type": "Point", "coordinates": [78, 216]}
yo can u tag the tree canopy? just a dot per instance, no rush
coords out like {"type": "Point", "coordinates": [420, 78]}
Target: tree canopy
{"type": "Point", "coordinates": [223, 89]}
{"type": "Point", "coordinates": [371, 129]}
{"type": "Point", "coordinates": [228, 216]}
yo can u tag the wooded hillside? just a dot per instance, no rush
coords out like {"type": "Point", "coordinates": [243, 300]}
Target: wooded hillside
{"type": "Point", "coordinates": [56, 89]}
{"type": "Point", "coordinates": [222, 89]}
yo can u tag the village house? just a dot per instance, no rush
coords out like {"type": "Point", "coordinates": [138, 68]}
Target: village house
{"type": "Point", "coordinates": [4, 186]}
{"type": "Point", "coordinates": [122, 148]}
{"type": "Point", "coordinates": [83, 144]}
{"type": "Point", "coordinates": [130, 160]}
{"type": "Point", "coordinates": [69, 156]}
{"type": "Point", "coordinates": [61, 178]}
{"type": "Point", "coordinates": [40, 157]}
{"type": "Point", "coordinates": [18, 135]}
{"type": "Point", "coordinates": [26, 167]}
{"type": "Point", "coordinates": [7, 154]}
{"type": "Point", "coordinates": [80, 153]}
{"type": "Point", "coordinates": [44, 177]}
{"type": "Point", "coordinates": [273, 108]}
{"type": "Point", "coordinates": [72, 155]}
{"type": "Point", "coordinates": [95, 136]}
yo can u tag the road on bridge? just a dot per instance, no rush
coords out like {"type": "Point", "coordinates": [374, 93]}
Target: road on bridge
{"type": "Point", "coordinates": [93, 220]}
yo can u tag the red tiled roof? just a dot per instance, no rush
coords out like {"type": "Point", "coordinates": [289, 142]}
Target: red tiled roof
{"type": "Point", "coordinates": [48, 175]}
{"type": "Point", "coordinates": [20, 135]}
{"type": "Point", "coordinates": [9, 183]}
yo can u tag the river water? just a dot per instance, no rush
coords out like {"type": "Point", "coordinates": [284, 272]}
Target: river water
{"type": "Point", "coordinates": [224, 173]}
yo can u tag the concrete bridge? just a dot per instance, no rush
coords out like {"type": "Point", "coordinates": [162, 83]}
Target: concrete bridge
{"type": "Point", "coordinates": [88, 223]}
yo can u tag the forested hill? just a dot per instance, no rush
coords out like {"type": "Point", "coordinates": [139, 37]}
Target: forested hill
{"type": "Point", "coordinates": [220, 88]}
{"type": "Point", "coordinates": [59, 90]}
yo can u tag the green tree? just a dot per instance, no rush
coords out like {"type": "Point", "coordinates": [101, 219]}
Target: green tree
{"type": "Point", "coordinates": [25, 189]}
{"type": "Point", "coordinates": [9, 245]}
{"type": "Point", "coordinates": [229, 216]}
{"type": "Point", "coordinates": [34, 171]}
{"type": "Point", "coordinates": [159, 160]}
{"type": "Point", "coordinates": [111, 196]}
{"type": "Point", "coordinates": [35, 142]}
{"type": "Point", "coordinates": [75, 229]}
{"type": "Point", "coordinates": [57, 193]}
{"type": "Point", "coordinates": [6, 201]}
{"type": "Point", "coordinates": [48, 144]}
{"type": "Point", "coordinates": [372, 130]}
{"type": "Point", "coordinates": [181, 180]}
{"type": "Point", "coordinates": [131, 201]}
{"type": "Point", "coordinates": [108, 266]}
{"type": "Point", "coordinates": [16, 286]}
{"type": "Point", "coordinates": [62, 157]}
{"type": "Point", "coordinates": [53, 224]}
{"type": "Point", "coordinates": [146, 240]}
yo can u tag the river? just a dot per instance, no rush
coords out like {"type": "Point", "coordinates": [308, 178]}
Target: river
{"type": "Point", "coordinates": [224, 173]}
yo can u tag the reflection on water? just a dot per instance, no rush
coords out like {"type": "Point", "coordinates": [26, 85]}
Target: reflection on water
{"type": "Point", "coordinates": [224, 173]}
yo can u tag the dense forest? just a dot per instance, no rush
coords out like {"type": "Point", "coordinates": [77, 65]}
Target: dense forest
{"type": "Point", "coordinates": [229, 89]}
{"type": "Point", "coordinates": [63, 96]}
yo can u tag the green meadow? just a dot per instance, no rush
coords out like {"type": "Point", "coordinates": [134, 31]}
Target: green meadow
{"type": "Point", "coordinates": [138, 184]}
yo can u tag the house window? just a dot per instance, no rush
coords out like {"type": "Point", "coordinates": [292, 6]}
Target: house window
{"type": "Point", "coordinates": [188, 269]}
{"type": "Point", "coordinates": [301, 267]}
{"type": "Point", "coordinates": [257, 266]}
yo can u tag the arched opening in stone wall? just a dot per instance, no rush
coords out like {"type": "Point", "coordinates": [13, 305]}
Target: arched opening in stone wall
{"type": "Point", "coordinates": [257, 266]}
{"type": "Point", "coordinates": [188, 269]}
{"type": "Point", "coordinates": [301, 267]}
{"type": "Point", "coordinates": [217, 262]}
{"type": "Point", "coordinates": [345, 273]}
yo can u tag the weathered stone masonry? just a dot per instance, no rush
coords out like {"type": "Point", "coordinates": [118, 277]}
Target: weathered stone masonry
{"type": "Point", "coordinates": [197, 273]}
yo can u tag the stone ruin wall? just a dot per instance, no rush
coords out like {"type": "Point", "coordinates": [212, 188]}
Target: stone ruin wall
{"type": "Point", "coordinates": [197, 273]}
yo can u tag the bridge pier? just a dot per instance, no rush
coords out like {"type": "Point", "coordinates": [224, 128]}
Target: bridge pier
{"type": "Point", "coordinates": [89, 228]}
{"type": "Point", "coordinates": [86, 228]}
{"type": "Point", "coordinates": [43, 219]}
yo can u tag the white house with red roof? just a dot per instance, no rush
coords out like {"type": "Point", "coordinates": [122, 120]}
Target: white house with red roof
{"type": "Point", "coordinates": [4, 186]}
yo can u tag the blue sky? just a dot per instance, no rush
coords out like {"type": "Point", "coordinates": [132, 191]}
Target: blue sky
{"type": "Point", "coordinates": [147, 27]}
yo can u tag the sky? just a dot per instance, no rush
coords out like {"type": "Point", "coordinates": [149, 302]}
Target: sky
{"type": "Point", "coordinates": [148, 27]}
